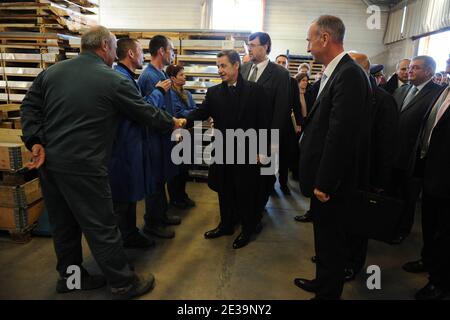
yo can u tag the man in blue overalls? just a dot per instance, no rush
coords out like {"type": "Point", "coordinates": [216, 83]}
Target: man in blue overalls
{"type": "Point", "coordinates": [155, 86]}
{"type": "Point", "coordinates": [126, 167]}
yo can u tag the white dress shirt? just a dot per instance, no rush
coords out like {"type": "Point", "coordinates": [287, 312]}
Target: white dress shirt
{"type": "Point", "coordinates": [329, 70]}
{"type": "Point", "coordinates": [261, 67]}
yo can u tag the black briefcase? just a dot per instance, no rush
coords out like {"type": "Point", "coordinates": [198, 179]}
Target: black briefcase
{"type": "Point", "coordinates": [373, 216]}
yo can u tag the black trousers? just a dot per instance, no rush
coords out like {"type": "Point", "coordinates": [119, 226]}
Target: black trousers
{"type": "Point", "coordinates": [238, 203]}
{"type": "Point", "coordinates": [177, 187]}
{"type": "Point", "coordinates": [79, 204]}
{"type": "Point", "coordinates": [126, 218]}
{"type": "Point", "coordinates": [331, 246]}
{"type": "Point", "coordinates": [156, 207]}
{"type": "Point", "coordinates": [436, 237]}
{"type": "Point", "coordinates": [407, 187]}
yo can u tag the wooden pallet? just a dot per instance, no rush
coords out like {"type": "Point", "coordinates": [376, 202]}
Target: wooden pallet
{"type": "Point", "coordinates": [19, 222]}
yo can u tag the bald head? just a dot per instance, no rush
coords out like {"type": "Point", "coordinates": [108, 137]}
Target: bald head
{"type": "Point", "coordinates": [361, 59]}
{"type": "Point", "coordinates": [94, 37]}
{"type": "Point", "coordinates": [101, 41]}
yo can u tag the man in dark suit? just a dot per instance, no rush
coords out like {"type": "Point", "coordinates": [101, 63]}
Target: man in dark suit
{"type": "Point", "coordinates": [384, 121]}
{"type": "Point", "coordinates": [433, 158]}
{"type": "Point", "coordinates": [294, 102]}
{"type": "Point", "coordinates": [276, 82]}
{"type": "Point", "coordinates": [329, 152]}
{"type": "Point", "coordinates": [413, 102]}
{"type": "Point", "coordinates": [399, 78]}
{"type": "Point", "coordinates": [235, 104]}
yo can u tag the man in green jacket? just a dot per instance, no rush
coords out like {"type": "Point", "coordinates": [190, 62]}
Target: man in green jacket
{"type": "Point", "coordinates": [69, 119]}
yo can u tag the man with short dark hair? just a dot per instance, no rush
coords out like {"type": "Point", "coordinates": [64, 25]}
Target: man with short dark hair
{"type": "Point", "coordinates": [413, 102]}
{"type": "Point", "coordinates": [155, 86]}
{"type": "Point", "coordinates": [330, 149]}
{"type": "Point", "coordinates": [276, 82]}
{"type": "Point", "coordinates": [127, 164]}
{"type": "Point", "coordinates": [235, 104]}
{"type": "Point", "coordinates": [69, 119]}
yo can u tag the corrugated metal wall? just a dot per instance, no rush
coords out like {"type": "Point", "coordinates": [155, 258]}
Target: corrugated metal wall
{"type": "Point", "coordinates": [285, 20]}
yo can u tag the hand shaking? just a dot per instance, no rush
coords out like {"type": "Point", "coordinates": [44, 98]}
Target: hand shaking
{"type": "Point", "coordinates": [179, 123]}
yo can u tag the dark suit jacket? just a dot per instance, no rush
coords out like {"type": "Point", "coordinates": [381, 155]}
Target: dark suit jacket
{"type": "Point", "coordinates": [276, 82]}
{"type": "Point", "coordinates": [247, 110]}
{"type": "Point", "coordinates": [384, 115]}
{"type": "Point", "coordinates": [436, 178]}
{"type": "Point", "coordinates": [410, 121]}
{"type": "Point", "coordinates": [330, 144]}
{"type": "Point", "coordinates": [391, 85]}
{"type": "Point", "coordinates": [295, 102]}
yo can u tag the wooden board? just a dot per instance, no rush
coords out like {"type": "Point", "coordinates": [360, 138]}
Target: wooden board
{"type": "Point", "coordinates": [19, 219]}
{"type": "Point", "coordinates": [13, 155]}
{"type": "Point", "coordinates": [20, 196]}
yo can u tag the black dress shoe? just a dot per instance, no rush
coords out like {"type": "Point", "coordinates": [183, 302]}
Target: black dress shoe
{"type": "Point", "coordinates": [179, 204]}
{"type": "Point", "coordinates": [258, 228]}
{"type": "Point", "coordinates": [171, 220]}
{"type": "Point", "coordinates": [241, 241]}
{"type": "Point", "coordinates": [218, 232]}
{"type": "Point", "coordinates": [307, 285]}
{"type": "Point", "coordinates": [138, 241]}
{"type": "Point", "coordinates": [307, 217]}
{"type": "Point", "coordinates": [414, 267]}
{"type": "Point", "coordinates": [349, 275]}
{"type": "Point", "coordinates": [431, 292]}
{"type": "Point", "coordinates": [189, 202]}
{"type": "Point", "coordinates": [159, 231]}
{"type": "Point", "coordinates": [285, 189]}
{"type": "Point", "coordinates": [88, 282]}
{"type": "Point", "coordinates": [398, 239]}
{"type": "Point", "coordinates": [314, 259]}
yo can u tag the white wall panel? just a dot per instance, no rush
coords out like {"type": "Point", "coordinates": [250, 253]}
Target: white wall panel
{"type": "Point", "coordinates": [287, 22]}
{"type": "Point", "coordinates": [150, 14]}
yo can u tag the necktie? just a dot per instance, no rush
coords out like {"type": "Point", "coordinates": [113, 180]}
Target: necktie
{"type": "Point", "coordinates": [252, 77]}
{"type": "Point", "coordinates": [411, 94]}
{"type": "Point", "coordinates": [323, 81]}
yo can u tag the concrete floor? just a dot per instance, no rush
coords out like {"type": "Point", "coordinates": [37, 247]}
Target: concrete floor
{"type": "Point", "coordinates": [190, 267]}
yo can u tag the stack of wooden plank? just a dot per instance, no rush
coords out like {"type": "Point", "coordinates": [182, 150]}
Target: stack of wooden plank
{"type": "Point", "coordinates": [36, 34]}
{"type": "Point", "coordinates": [21, 202]}
{"type": "Point", "coordinates": [296, 60]}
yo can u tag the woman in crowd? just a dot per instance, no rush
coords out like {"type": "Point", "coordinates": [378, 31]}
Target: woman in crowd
{"type": "Point", "coordinates": [182, 103]}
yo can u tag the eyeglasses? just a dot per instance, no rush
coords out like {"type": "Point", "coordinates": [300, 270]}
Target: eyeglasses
{"type": "Point", "coordinates": [252, 45]}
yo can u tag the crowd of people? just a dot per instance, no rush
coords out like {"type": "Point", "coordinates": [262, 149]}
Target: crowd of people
{"type": "Point", "coordinates": [102, 141]}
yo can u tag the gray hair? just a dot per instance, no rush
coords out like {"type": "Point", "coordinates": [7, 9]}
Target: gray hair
{"type": "Point", "coordinates": [428, 62]}
{"type": "Point", "coordinates": [306, 65]}
{"type": "Point", "coordinates": [398, 63]}
{"type": "Point", "coordinates": [333, 25]}
{"type": "Point", "coordinates": [94, 37]}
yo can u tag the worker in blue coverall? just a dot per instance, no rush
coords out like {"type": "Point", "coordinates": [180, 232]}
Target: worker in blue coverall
{"type": "Point", "coordinates": [155, 86]}
{"type": "Point", "coordinates": [127, 172]}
